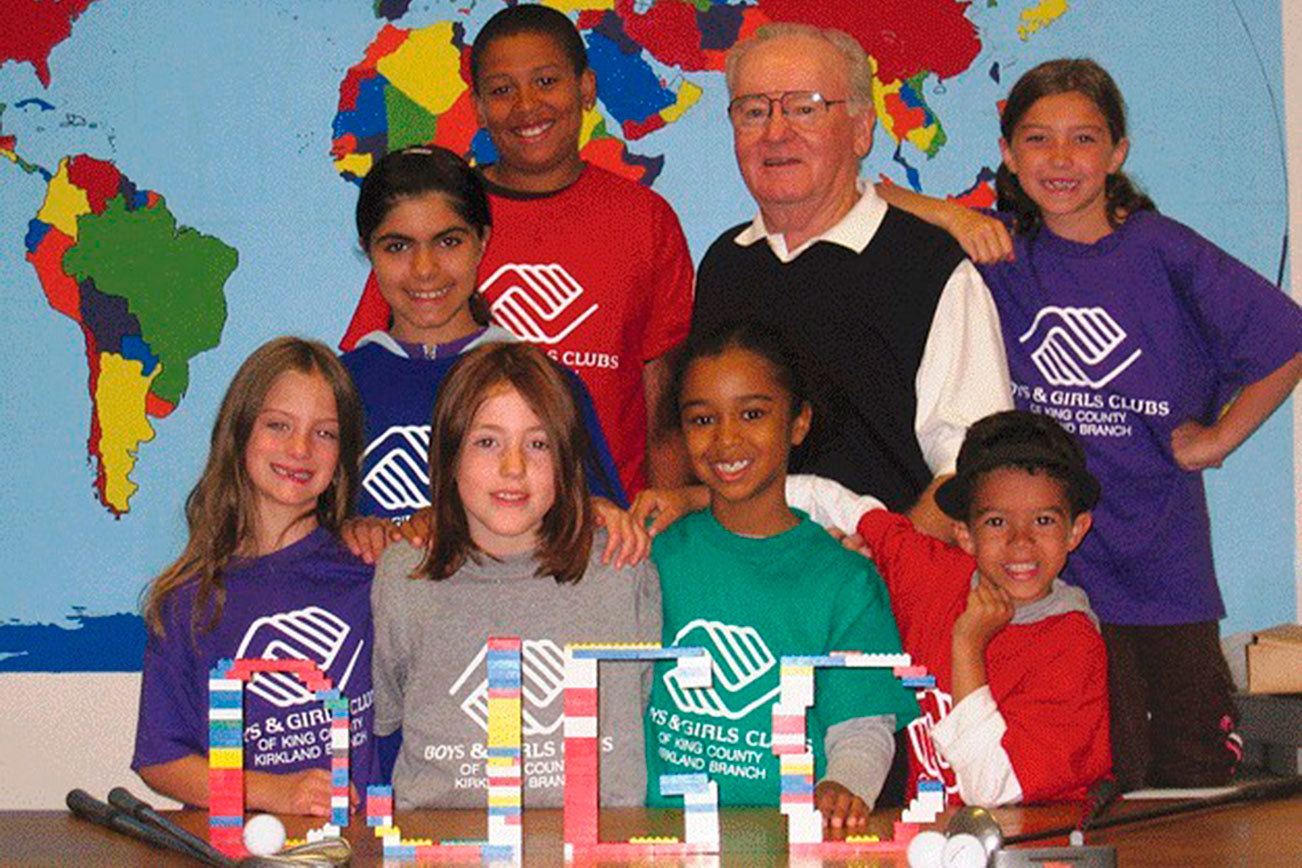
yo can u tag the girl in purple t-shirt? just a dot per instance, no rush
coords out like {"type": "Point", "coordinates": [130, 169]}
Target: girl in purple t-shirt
{"type": "Point", "coordinates": [264, 576]}
{"type": "Point", "coordinates": [1160, 352]}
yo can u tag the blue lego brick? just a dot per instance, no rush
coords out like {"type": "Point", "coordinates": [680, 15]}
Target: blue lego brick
{"type": "Point", "coordinates": [677, 785]}
{"type": "Point", "coordinates": [794, 784]}
{"type": "Point", "coordinates": [226, 699]}
{"type": "Point", "coordinates": [233, 822]}
{"type": "Point", "coordinates": [822, 661]}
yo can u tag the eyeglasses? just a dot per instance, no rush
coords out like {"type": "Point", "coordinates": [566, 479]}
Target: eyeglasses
{"type": "Point", "coordinates": [801, 108]}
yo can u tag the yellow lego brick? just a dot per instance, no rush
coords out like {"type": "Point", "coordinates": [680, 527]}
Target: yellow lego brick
{"type": "Point", "coordinates": [652, 839]}
{"type": "Point", "coordinates": [384, 831]}
{"type": "Point", "coordinates": [862, 839]}
{"type": "Point", "coordinates": [226, 758]}
{"type": "Point", "coordinates": [506, 801]}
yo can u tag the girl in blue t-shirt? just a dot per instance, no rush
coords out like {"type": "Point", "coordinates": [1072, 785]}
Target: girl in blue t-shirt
{"type": "Point", "coordinates": [751, 580]}
{"type": "Point", "coordinates": [1162, 354]}
{"type": "Point", "coordinates": [263, 575]}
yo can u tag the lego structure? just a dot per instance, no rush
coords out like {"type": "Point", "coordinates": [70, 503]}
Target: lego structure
{"type": "Point", "coordinates": [796, 761]}
{"type": "Point", "coordinates": [226, 748]}
{"type": "Point", "coordinates": [505, 841]}
{"type": "Point", "coordinates": [700, 795]}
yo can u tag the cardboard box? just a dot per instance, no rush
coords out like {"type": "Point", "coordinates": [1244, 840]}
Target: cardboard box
{"type": "Point", "coordinates": [1275, 660]}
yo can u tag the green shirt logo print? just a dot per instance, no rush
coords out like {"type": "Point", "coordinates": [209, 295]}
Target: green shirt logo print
{"type": "Point", "coordinates": [739, 661]}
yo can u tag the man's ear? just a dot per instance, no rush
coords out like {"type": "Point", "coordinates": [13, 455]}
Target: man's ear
{"type": "Point", "coordinates": [863, 131]}
{"type": "Point", "coordinates": [800, 424]}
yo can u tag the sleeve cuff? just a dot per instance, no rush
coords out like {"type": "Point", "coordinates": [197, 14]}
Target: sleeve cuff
{"type": "Point", "coordinates": [859, 753]}
{"type": "Point", "coordinates": [970, 739]}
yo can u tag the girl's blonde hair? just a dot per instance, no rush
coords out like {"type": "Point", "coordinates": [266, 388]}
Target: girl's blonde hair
{"type": "Point", "coordinates": [219, 509]}
{"type": "Point", "coordinates": [565, 540]}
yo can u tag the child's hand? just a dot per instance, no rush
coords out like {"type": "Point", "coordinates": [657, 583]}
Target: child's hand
{"type": "Point", "coordinates": [368, 536]}
{"type": "Point", "coordinates": [983, 238]}
{"type": "Point", "coordinates": [627, 542]}
{"type": "Point", "coordinates": [304, 793]}
{"type": "Point", "coordinates": [415, 530]}
{"type": "Point", "coordinates": [664, 506]}
{"type": "Point", "coordinates": [989, 608]}
{"type": "Point", "coordinates": [850, 541]}
{"type": "Point", "coordinates": [1196, 447]}
{"type": "Point", "coordinates": [844, 813]}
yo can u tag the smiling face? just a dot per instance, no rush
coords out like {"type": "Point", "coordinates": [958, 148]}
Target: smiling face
{"type": "Point", "coordinates": [1020, 530]}
{"type": "Point", "coordinates": [426, 260]}
{"type": "Point", "coordinates": [505, 475]}
{"type": "Point", "coordinates": [292, 452]}
{"type": "Point", "coordinates": [531, 101]}
{"type": "Point", "coordinates": [802, 179]}
{"type": "Point", "coordinates": [739, 427]}
{"type": "Point", "coordinates": [1062, 153]}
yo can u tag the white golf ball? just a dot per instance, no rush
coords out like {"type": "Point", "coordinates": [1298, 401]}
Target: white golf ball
{"type": "Point", "coordinates": [264, 835]}
{"type": "Point", "coordinates": [925, 849]}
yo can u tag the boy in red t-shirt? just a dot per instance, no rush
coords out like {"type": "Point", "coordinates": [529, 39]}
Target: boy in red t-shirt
{"type": "Point", "coordinates": [1020, 710]}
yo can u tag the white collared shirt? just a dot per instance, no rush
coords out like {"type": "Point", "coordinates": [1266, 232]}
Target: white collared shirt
{"type": "Point", "coordinates": [963, 375]}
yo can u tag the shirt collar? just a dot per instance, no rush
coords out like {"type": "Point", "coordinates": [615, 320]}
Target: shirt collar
{"type": "Point", "coordinates": [853, 231]}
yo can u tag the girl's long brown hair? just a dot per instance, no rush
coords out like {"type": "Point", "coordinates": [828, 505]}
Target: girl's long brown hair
{"type": "Point", "coordinates": [566, 536]}
{"type": "Point", "coordinates": [1087, 78]}
{"type": "Point", "coordinates": [219, 510]}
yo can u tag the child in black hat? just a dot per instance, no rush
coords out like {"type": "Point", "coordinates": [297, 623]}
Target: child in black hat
{"type": "Point", "coordinates": [1020, 712]}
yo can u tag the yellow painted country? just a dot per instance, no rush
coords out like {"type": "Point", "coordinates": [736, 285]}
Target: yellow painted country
{"type": "Point", "coordinates": [120, 405]}
{"type": "Point", "coordinates": [64, 203]}
{"type": "Point", "coordinates": [426, 67]}
{"type": "Point", "coordinates": [1040, 16]}
{"type": "Point", "coordinates": [686, 97]}
{"type": "Point", "coordinates": [579, 5]}
{"type": "Point", "coordinates": [357, 164]}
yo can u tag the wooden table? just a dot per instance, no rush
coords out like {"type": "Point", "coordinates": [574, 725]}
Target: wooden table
{"type": "Point", "coordinates": [1263, 834]}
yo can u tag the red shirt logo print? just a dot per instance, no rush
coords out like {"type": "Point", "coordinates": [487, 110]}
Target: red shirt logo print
{"type": "Point", "coordinates": [538, 303]}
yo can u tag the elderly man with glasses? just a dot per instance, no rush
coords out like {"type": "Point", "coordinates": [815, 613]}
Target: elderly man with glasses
{"type": "Point", "coordinates": [886, 312]}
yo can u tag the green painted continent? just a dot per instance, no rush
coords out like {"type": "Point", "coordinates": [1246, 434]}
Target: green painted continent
{"type": "Point", "coordinates": [171, 278]}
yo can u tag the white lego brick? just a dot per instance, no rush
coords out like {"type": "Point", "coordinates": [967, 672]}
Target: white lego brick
{"type": "Point", "coordinates": [580, 727]}
{"type": "Point", "coordinates": [804, 826]}
{"type": "Point", "coordinates": [226, 714]}
{"type": "Point", "coordinates": [225, 685]}
{"type": "Point", "coordinates": [580, 671]}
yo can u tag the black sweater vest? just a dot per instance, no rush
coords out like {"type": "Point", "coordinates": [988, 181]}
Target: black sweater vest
{"type": "Point", "coordinates": [859, 324]}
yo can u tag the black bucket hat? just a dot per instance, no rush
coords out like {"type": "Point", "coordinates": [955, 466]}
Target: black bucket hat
{"type": "Point", "coordinates": [1017, 438]}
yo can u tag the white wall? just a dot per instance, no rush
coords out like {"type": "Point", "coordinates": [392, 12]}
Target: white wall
{"type": "Point", "coordinates": [64, 731]}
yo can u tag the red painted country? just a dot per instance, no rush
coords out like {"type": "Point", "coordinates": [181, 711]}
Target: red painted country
{"type": "Point", "coordinates": [33, 27]}
{"type": "Point", "coordinates": [904, 38]}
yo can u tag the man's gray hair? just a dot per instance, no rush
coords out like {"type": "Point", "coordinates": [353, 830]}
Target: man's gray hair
{"type": "Point", "coordinates": [859, 70]}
